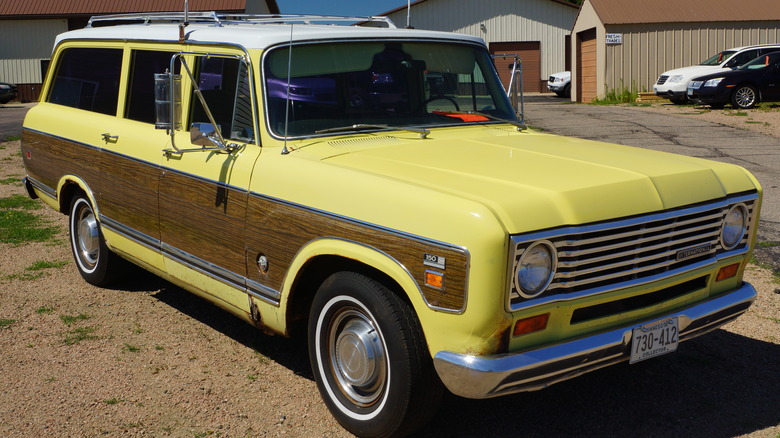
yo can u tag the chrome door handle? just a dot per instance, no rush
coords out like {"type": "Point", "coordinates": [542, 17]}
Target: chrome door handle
{"type": "Point", "coordinates": [108, 138]}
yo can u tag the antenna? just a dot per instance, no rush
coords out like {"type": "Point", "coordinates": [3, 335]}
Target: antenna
{"type": "Point", "coordinates": [286, 151]}
{"type": "Point", "coordinates": [186, 20]}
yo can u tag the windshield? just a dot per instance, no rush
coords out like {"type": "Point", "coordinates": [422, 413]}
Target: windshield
{"type": "Point", "coordinates": [719, 57]}
{"type": "Point", "coordinates": [393, 84]}
{"type": "Point", "coordinates": [762, 61]}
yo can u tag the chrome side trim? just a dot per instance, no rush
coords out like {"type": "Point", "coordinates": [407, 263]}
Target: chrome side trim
{"type": "Point", "coordinates": [263, 292]}
{"type": "Point", "coordinates": [495, 375]}
{"type": "Point", "coordinates": [224, 276]}
{"type": "Point", "coordinates": [143, 239]}
{"type": "Point", "coordinates": [32, 182]}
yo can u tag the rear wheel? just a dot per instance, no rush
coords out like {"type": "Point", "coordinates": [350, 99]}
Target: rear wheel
{"type": "Point", "coordinates": [369, 358]}
{"type": "Point", "coordinates": [744, 97]}
{"type": "Point", "coordinates": [96, 263]}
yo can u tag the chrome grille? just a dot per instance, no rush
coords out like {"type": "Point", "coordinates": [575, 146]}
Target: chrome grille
{"type": "Point", "coordinates": [662, 80]}
{"type": "Point", "coordinates": [602, 257]}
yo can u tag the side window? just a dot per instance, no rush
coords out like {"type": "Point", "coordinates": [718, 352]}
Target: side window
{"type": "Point", "coordinates": [743, 58]}
{"type": "Point", "coordinates": [140, 94]}
{"type": "Point", "coordinates": [224, 84]}
{"type": "Point", "coordinates": [88, 79]}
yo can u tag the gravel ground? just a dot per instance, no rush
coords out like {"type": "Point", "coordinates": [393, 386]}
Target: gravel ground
{"type": "Point", "coordinates": [148, 359]}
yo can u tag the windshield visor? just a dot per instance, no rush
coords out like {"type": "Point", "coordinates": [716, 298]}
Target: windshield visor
{"type": "Point", "coordinates": [398, 84]}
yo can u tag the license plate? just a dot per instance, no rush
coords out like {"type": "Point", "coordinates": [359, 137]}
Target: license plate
{"type": "Point", "coordinates": [690, 92]}
{"type": "Point", "coordinates": [654, 339]}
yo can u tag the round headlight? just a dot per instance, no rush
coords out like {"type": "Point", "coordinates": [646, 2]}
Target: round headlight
{"type": "Point", "coordinates": [535, 269]}
{"type": "Point", "coordinates": [734, 226]}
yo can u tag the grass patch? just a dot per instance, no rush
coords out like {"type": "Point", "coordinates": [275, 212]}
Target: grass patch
{"type": "Point", "coordinates": [43, 309]}
{"type": "Point", "coordinates": [6, 323]}
{"type": "Point", "coordinates": [767, 244]}
{"type": "Point", "coordinates": [613, 97]}
{"type": "Point", "coordinates": [112, 401]}
{"type": "Point", "coordinates": [737, 113]}
{"type": "Point", "coordinates": [43, 264]}
{"type": "Point", "coordinates": [69, 319]}
{"type": "Point", "coordinates": [18, 225]}
{"type": "Point", "coordinates": [13, 138]}
{"type": "Point", "coordinates": [132, 348]}
{"type": "Point", "coordinates": [10, 180]}
{"type": "Point", "coordinates": [24, 277]}
{"type": "Point", "coordinates": [80, 334]}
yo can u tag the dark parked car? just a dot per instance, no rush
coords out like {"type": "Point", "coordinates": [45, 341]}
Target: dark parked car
{"type": "Point", "coordinates": [7, 92]}
{"type": "Point", "coordinates": [744, 87]}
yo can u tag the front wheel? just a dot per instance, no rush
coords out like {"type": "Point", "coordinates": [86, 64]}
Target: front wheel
{"type": "Point", "coordinates": [96, 263]}
{"type": "Point", "coordinates": [744, 97]}
{"type": "Point", "coordinates": [369, 358]}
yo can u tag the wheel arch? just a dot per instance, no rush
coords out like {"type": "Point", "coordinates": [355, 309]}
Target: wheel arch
{"type": "Point", "coordinates": [324, 257]}
{"type": "Point", "coordinates": [68, 187]}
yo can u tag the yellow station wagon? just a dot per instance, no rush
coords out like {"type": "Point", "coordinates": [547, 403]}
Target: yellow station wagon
{"type": "Point", "coordinates": [372, 188]}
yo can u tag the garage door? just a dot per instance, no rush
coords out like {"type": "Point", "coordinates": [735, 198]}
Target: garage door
{"type": "Point", "coordinates": [586, 66]}
{"type": "Point", "coordinates": [530, 54]}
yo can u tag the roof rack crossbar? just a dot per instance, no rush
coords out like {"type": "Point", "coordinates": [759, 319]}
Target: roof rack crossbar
{"type": "Point", "coordinates": [222, 19]}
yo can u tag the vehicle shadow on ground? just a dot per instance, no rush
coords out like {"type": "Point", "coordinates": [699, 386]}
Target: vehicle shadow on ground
{"type": "Point", "coordinates": [717, 385]}
{"type": "Point", "coordinates": [290, 353]}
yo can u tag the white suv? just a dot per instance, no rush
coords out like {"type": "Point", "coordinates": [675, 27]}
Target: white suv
{"type": "Point", "coordinates": [672, 84]}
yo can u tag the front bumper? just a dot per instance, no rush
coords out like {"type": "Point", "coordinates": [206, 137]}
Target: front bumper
{"type": "Point", "coordinates": [491, 376]}
{"type": "Point", "coordinates": [670, 94]}
{"type": "Point", "coordinates": [555, 88]}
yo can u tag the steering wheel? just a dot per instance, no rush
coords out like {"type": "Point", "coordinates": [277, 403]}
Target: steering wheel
{"type": "Point", "coordinates": [434, 98]}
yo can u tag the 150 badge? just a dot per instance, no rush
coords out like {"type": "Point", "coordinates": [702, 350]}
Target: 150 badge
{"type": "Point", "coordinates": [434, 261]}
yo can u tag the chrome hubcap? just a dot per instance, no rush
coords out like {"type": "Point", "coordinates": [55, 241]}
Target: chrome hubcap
{"type": "Point", "coordinates": [358, 357]}
{"type": "Point", "coordinates": [88, 239]}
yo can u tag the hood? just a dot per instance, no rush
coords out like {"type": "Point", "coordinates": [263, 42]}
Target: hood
{"type": "Point", "coordinates": [727, 73]}
{"type": "Point", "coordinates": [533, 181]}
{"type": "Point", "coordinates": [694, 70]}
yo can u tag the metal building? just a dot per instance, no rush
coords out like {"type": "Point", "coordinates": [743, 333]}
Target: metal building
{"type": "Point", "coordinates": [537, 30]}
{"type": "Point", "coordinates": [28, 28]}
{"type": "Point", "coordinates": [624, 45]}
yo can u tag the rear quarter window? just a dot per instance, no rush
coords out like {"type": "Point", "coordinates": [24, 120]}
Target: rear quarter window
{"type": "Point", "coordinates": [88, 79]}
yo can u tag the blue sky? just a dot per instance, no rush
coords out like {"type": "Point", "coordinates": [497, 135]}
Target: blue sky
{"type": "Point", "coordinates": [338, 7]}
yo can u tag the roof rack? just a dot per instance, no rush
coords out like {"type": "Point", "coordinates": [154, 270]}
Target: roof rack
{"type": "Point", "coordinates": [222, 19]}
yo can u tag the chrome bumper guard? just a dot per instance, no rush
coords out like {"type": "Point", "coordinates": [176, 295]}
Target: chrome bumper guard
{"type": "Point", "coordinates": [491, 376]}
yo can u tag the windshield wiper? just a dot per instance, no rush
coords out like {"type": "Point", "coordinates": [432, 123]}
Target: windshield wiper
{"type": "Point", "coordinates": [366, 126]}
{"type": "Point", "coordinates": [520, 125]}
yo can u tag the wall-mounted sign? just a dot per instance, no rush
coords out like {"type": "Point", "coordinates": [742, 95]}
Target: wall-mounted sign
{"type": "Point", "coordinates": [614, 38]}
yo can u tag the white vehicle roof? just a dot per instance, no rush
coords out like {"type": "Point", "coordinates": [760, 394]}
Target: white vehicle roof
{"type": "Point", "coordinates": [249, 31]}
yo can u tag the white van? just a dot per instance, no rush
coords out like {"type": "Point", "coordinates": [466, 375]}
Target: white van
{"type": "Point", "coordinates": [672, 84]}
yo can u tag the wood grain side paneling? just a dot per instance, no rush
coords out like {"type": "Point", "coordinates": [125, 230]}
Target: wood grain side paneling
{"type": "Point", "coordinates": [47, 159]}
{"type": "Point", "coordinates": [279, 231]}
{"type": "Point", "coordinates": [204, 219]}
{"type": "Point", "coordinates": [129, 194]}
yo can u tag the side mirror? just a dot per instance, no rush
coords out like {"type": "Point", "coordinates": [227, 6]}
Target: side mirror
{"type": "Point", "coordinates": [167, 100]}
{"type": "Point", "coordinates": [205, 134]}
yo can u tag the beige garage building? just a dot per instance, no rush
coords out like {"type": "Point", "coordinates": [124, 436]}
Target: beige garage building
{"type": "Point", "coordinates": [626, 44]}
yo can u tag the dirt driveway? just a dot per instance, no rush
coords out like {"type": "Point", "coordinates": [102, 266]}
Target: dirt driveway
{"type": "Point", "coordinates": [148, 359]}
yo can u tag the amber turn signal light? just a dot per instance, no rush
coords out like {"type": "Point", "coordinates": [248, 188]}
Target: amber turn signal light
{"type": "Point", "coordinates": [434, 279]}
{"type": "Point", "coordinates": [727, 272]}
{"type": "Point", "coordinates": [530, 325]}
